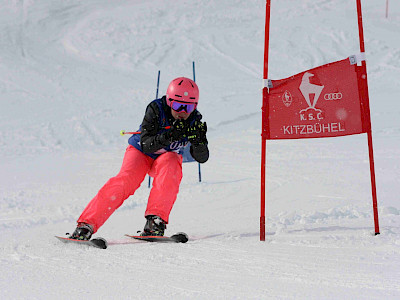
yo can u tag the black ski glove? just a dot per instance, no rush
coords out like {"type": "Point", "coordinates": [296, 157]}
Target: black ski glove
{"type": "Point", "coordinates": [178, 130]}
{"type": "Point", "coordinates": [197, 133]}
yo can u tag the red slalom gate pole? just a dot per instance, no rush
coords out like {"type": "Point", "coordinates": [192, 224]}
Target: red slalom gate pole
{"type": "Point", "coordinates": [264, 117]}
{"type": "Point", "coordinates": [364, 93]}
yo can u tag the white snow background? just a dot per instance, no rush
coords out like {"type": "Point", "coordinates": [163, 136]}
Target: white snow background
{"type": "Point", "coordinates": [74, 73]}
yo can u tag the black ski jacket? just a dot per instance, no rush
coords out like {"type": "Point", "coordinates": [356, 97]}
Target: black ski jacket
{"type": "Point", "coordinates": [155, 139]}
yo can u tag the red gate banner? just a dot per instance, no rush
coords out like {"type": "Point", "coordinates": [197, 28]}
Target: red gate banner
{"type": "Point", "coordinates": [321, 102]}
{"type": "Point", "coordinates": [330, 100]}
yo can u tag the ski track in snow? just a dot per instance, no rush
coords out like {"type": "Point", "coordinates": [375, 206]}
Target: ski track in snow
{"type": "Point", "coordinates": [73, 74]}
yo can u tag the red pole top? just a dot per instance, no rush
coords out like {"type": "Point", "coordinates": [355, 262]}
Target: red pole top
{"type": "Point", "coordinates": [266, 41]}
{"type": "Point", "coordinates": [360, 26]}
{"type": "Point", "coordinates": [387, 9]}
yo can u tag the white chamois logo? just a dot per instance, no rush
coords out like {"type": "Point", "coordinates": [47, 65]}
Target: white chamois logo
{"type": "Point", "coordinates": [307, 89]}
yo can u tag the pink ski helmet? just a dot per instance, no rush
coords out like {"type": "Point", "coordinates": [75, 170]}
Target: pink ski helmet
{"type": "Point", "coordinates": [183, 89]}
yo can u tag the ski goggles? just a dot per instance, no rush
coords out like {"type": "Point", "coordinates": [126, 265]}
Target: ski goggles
{"type": "Point", "coordinates": [183, 106]}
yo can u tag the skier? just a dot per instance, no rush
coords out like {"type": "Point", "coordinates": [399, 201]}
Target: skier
{"type": "Point", "coordinates": [169, 124]}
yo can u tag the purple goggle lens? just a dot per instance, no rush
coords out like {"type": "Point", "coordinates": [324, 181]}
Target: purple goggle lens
{"type": "Point", "coordinates": [183, 106]}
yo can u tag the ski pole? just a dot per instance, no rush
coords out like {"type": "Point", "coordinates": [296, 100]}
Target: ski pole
{"type": "Point", "coordinates": [123, 132]}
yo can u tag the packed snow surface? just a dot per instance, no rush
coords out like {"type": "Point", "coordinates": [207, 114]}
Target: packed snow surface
{"type": "Point", "coordinates": [74, 73]}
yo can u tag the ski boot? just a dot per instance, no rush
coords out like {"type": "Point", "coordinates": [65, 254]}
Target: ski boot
{"type": "Point", "coordinates": [82, 232]}
{"type": "Point", "coordinates": [154, 226]}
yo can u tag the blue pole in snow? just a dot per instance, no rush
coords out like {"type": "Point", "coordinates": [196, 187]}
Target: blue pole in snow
{"type": "Point", "coordinates": [194, 74]}
{"type": "Point", "coordinates": [158, 85]}
{"type": "Point", "coordinates": [194, 79]}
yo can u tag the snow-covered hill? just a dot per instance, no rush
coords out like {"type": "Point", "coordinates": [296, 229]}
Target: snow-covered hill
{"type": "Point", "coordinates": [74, 73]}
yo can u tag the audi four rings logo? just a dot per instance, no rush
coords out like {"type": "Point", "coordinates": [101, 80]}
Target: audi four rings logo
{"type": "Point", "coordinates": [333, 96]}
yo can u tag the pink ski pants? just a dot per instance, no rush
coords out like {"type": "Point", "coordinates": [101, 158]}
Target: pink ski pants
{"type": "Point", "coordinates": [166, 171]}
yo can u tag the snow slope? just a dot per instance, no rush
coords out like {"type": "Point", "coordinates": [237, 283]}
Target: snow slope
{"type": "Point", "coordinates": [74, 73]}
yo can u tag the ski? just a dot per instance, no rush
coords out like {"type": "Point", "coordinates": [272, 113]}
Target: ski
{"type": "Point", "coordinates": [179, 237]}
{"type": "Point", "coordinates": [97, 242]}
